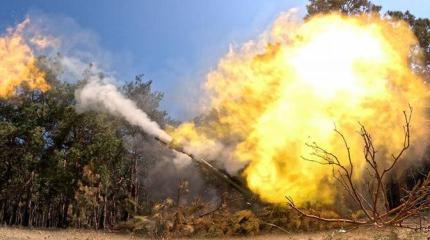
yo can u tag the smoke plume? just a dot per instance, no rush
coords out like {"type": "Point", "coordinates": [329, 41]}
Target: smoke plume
{"type": "Point", "coordinates": [74, 54]}
{"type": "Point", "coordinates": [99, 94]}
{"type": "Point", "coordinates": [77, 51]}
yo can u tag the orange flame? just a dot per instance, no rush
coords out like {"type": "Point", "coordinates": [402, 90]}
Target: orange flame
{"type": "Point", "coordinates": [18, 63]}
{"type": "Point", "coordinates": [291, 87]}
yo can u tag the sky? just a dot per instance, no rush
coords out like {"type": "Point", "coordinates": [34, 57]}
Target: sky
{"type": "Point", "coordinates": [172, 42]}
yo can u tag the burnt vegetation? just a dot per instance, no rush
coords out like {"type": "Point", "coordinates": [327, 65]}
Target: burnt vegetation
{"type": "Point", "coordinates": [59, 168]}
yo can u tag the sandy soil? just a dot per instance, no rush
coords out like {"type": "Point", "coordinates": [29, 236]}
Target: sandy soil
{"type": "Point", "coordinates": [369, 233]}
{"type": "Point", "coordinates": [69, 234]}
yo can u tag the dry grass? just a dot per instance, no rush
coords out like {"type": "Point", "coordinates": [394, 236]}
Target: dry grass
{"type": "Point", "coordinates": [8, 233]}
{"type": "Point", "coordinates": [369, 233]}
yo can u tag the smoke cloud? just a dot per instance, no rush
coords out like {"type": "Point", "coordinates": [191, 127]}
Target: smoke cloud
{"type": "Point", "coordinates": [74, 54]}
{"type": "Point", "coordinates": [99, 94]}
{"type": "Point", "coordinates": [78, 52]}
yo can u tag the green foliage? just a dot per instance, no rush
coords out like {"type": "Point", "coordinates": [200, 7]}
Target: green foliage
{"type": "Point", "coordinates": [60, 168]}
{"type": "Point", "coordinates": [349, 7]}
{"type": "Point", "coordinates": [421, 28]}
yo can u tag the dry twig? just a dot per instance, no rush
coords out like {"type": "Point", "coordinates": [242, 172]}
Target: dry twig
{"type": "Point", "coordinates": [414, 202]}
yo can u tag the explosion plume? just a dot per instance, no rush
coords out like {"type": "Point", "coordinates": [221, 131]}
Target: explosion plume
{"type": "Point", "coordinates": [289, 88]}
{"type": "Point", "coordinates": [18, 63]}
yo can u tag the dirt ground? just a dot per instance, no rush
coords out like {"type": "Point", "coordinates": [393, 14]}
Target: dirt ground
{"type": "Point", "coordinates": [369, 233]}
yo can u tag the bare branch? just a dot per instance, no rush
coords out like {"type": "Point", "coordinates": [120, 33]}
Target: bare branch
{"type": "Point", "coordinates": [337, 220]}
{"type": "Point", "coordinates": [412, 204]}
{"type": "Point", "coordinates": [406, 141]}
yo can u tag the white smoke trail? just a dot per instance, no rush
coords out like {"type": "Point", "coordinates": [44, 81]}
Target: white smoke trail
{"type": "Point", "coordinates": [102, 95]}
{"type": "Point", "coordinates": [79, 55]}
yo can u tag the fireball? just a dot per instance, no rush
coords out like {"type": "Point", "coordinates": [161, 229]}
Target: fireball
{"type": "Point", "coordinates": [298, 82]}
{"type": "Point", "coordinates": [18, 63]}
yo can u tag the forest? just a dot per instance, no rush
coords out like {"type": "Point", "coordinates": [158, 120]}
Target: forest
{"type": "Point", "coordinates": [62, 168]}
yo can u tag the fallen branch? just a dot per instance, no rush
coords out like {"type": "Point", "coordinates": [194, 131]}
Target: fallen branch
{"type": "Point", "coordinates": [319, 218]}
{"type": "Point", "coordinates": [276, 226]}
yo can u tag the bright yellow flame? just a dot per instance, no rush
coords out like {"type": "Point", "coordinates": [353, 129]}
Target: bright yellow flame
{"type": "Point", "coordinates": [188, 136]}
{"type": "Point", "coordinates": [332, 69]}
{"type": "Point", "coordinates": [18, 64]}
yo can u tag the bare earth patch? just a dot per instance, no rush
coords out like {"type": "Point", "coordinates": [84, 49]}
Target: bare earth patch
{"type": "Point", "coordinates": [9, 233]}
{"type": "Point", "coordinates": [369, 233]}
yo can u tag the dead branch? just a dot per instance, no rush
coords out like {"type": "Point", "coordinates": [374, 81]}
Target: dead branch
{"type": "Point", "coordinates": [319, 218]}
{"type": "Point", "coordinates": [413, 203]}
{"type": "Point", "coordinates": [218, 207]}
{"type": "Point", "coordinates": [276, 226]}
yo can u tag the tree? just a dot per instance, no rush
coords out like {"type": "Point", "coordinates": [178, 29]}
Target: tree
{"type": "Point", "coordinates": [421, 28]}
{"type": "Point", "coordinates": [60, 168]}
{"type": "Point", "coordinates": [348, 7]}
